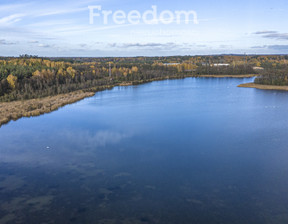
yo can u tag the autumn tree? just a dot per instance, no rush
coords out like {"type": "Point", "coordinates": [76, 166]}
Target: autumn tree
{"type": "Point", "coordinates": [11, 79]}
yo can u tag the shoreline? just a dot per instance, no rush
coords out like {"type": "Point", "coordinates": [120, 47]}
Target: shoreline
{"type": "Point", "coordinates": [35, 107]}
{"type": "Point", "coordinates": [228, 76]}
{"type": "Point", "coordinates": [263, 87]}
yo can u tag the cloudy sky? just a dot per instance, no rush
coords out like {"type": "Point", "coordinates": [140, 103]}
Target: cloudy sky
{"type": "Point", "coordinates": [62, 28]}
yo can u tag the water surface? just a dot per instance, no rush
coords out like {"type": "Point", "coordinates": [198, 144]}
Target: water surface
{"type": "Point", "coordinates": [179, 151]}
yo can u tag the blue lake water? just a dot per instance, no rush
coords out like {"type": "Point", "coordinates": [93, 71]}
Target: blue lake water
{"type": "Point", "coordinates": [195, 150]}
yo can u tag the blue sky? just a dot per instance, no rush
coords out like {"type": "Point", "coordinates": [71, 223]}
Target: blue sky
{"type": "Point", "coordinates": [61, 28]}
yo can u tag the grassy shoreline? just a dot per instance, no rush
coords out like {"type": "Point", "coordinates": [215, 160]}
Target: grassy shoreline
{"type": "Point", "coordinates": [264, 87]}
{"type": "Point", "coordinates": [34, 107]}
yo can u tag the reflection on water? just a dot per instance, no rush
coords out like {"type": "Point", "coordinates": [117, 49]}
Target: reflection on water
{"type": "Point", "coordinates": [181, 151]}
{"type": "Point", "coordinates": [98, 139]}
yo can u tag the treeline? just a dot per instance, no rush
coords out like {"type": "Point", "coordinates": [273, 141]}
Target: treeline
{"type": "Point", "coordinates": [276, 76]}
{"type": "Point", "coordinates": [28, 77]}
{"type": "Point", "coordinates": [25, 78]}
{"type": "Point", "coordinates": [224, 70]}
{"type": "Point", "coordinates": [266, 61]}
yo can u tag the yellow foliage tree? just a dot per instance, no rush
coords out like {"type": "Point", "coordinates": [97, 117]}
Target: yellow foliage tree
{"type": "Point", "coordinates": [61, 72]}
{"type": "Point", "coordinates": [36, 73]}
{"type": "Point", "coordinates": [114, 70]}
{"type": "Point", "coordinates": [11, 79]}
{"type": "Point", "coordinates": [71, 71]}
{"type": "Point", "coordinates": [134, 69]}
{"type": "Point", "coordinates": [180, 68]}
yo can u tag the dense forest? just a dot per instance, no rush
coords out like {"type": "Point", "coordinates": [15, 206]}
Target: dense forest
{"type": "Point", "coordinates": [24, 78]}
{"type": "Point", "coordinates": [29, 77]}
{"type": "Point", "coordinates": [276, 76]}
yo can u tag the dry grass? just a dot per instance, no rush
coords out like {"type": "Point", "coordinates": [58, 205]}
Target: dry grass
{"type": "Point", "coordinates": [266, 87]}
{"type": "Point", "coordinates": [28, 108]}
{"type": "Point", "coordinates": [126, 84]}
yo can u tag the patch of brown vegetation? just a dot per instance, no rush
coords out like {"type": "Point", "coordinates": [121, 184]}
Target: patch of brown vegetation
{"type": "Point", "coordinates": [266, 87]}
{"type": "Point", "coordinates": [28, 108]}
{"type": "Point", "coordinates": [126, 84]}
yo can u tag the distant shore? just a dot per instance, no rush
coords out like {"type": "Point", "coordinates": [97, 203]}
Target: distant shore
{"type": "Point", "coordinates": [265, 87]}
{"type": "Point", "coordinates": [229, 76]}
{"type": "Point", "coordinates": [29, 108]}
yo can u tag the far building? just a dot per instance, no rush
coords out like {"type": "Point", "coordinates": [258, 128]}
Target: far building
{"type": "Point", "coordinates": [220, 64]}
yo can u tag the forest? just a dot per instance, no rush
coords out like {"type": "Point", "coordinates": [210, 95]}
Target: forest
{"type": "Point", "coordinates": [28, 77]}
{"type": "Point", "coordinates": [277, 76]}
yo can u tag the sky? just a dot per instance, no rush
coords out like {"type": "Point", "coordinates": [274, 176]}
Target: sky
{"type": "Point", "coordinates": [64, 29]}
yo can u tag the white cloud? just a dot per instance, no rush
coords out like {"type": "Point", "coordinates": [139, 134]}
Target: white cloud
{"type": "Point", "coordinates": [12, 7]}
{"type": "Point", "coordinates": [5, 42]}
{"type": "Point", "coordinates": [273, 35]}
{"type": "Point", "coordinates": [11, 19]}
{"type": "Point", "coordinates": [33, 42]}
{"type": "Point", "coordinates": [45, 45]}
{"type": "Point", "coordinates": [51, 12]}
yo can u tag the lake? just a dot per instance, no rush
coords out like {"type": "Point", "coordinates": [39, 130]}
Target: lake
{"type": "Point", "coordinates": [187, 151]}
